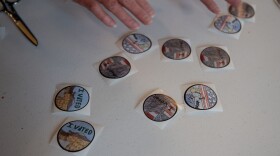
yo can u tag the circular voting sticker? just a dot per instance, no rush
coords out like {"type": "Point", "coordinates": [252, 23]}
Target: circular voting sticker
{"type": "Point", "coordinates": [243, 10]}
{"type": "Point", "coordinates": [227, 24]}
{"type": "Point", "coordinates": [176, 49]}
{"type": "Point", "coordinates": [214, 57]}
{"type": "Point", "coordinates": [136, 43]}
{"type": "Point", "coordinates": [75, 136]}
{"type": "Point", "coordinates": [114, 67]}
{"type": "Point", "coordinates": [159, 107]}
{"type": "Point", "coordinates": [200, 97]}
{"type": "Point", "coordinates": [72, 98]}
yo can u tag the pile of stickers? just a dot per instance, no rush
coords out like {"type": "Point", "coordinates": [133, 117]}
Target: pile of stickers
{"type": "Point", "coordinates": [78, 136]}
{"type": "Point", "coordinates": [159, 108]}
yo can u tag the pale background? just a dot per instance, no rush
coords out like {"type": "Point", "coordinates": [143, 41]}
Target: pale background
{"type": "Point", "coordinates": [71, 41]}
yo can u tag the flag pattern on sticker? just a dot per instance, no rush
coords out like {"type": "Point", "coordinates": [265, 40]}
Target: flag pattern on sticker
{"type": "Point", "coordinates": [227, 24]}
{"type": "Point", "coordinates": [176, 49]}
{"type": "Point", "coordinates": [215, 57]}
{"type": "Point", "coordinates": [136, 43]}
{"type": "Point", "coordinates": [75, 136]}
{"type": "Point", "coordinates": [159, 107]}
{"type": "Point", "coordinates": [72, 98]}
{"type": "Point", "coordinates": [243, 10]}
{"type": "Point", "coordinates": [114, 67]}
{"type": "Point", "coordinates": [200, 97]}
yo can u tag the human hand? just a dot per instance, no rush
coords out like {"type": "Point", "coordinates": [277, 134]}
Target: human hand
{"type": "Point", "coordinates": [140, 9]}
{"type": "Point", "coordinates": [212, 6]}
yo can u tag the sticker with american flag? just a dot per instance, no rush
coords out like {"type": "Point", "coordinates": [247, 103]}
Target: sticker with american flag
{"type": "Point", "coordinates": [176, 49]}
{"type": "Point", "coordinates": [243, 10]}
{"type": "Point", "coordinates": [227, 24]}
{"type": "Point", "coordinates": [114, 67]}
{"type": "Point", "coordinates": [215, 57]}
{"type": "Point", "coordinates": [136, 43]}
{"type": "Point", "coordinates": [159, 107]}
{"type": "Point", "coordinates": [200, 97]}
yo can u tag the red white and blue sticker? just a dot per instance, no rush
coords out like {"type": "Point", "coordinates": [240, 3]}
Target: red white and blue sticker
{"type": "Point", "coordinates": [75, 136]}
{"type": "Point", "coordinates": [200, 97]}
{"type": "Point", "coordinates": [136, 43]}
{"type": "Point", "coordinates": [176, 49]}
{"type": "Point", "coordinates": [114, 67]}
{"type": "Point", "coordinates": [243, 10]}
{"type": "Point", "coordinates": [227, 24]}
{"type": "Point", "coordinates": [214, 57]}
{"type": "Point", "coordinates": [72, 98]}
{"type": "Point", "coordinates": [159, 107]}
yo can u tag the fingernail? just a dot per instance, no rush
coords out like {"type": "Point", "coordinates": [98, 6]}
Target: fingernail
{"type": "Point", "coordinates": [114, 26]}
{"type": "Point", "coordinates": [135, 26]}
{"type": "Point", "coordinates": [109, 22]}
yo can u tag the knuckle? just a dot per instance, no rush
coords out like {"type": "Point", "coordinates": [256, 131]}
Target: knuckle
{"type": "Point", "coordinates": [111, 5]}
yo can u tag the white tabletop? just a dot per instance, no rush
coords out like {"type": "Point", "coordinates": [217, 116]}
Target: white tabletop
{"type": "Point", "coordinates": [71, 41]}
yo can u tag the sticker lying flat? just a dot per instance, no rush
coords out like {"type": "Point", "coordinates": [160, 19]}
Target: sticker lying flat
{"type": "Point", "coordinates": [227, 24]}
{"type": "Point", "coordinates": [72, 98]}
{"type": "Point", "coordinates": [176, 49]}
{"type": "Point", "coordinates": [159, 107]}
{"type": "Point", "coordinates": [243, 10]}
{"type": "Point", "coordinates": [136, 43]}
{"type": "Point", "coordinates": [200, 97]}
{"type": "Point", "coordinates": [75, 136]}
{"type": "Point", "coordinates": [214, 57]}
{"type": "Point", "coordinates": [114, 67]}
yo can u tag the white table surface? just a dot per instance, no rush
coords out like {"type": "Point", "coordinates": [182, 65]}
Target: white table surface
{"type": "Point", "coordinates": [71, 41]}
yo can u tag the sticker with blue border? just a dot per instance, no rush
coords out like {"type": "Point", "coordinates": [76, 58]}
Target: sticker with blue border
{"type": "Point", "coordinates": [136, 43]}
{"type": "Point", "coordinates": [159, 107]}
{"type": "Point", "coordinates": [243, 10]}
{"type": "Point", "coordinates": [176, 49]}
{"type": "Point", "coordinates": [75, 136]}
{"type": "Point", "coordinates": [72, 98]}
{"type": "Point", "coordinates": [114, 67]}
{"type": "Point", "coordinates": [228, 24]}
{"type": "Point", "coordinates": [200, 97]}
{"type": "Point", "coordinates": [215, 57]}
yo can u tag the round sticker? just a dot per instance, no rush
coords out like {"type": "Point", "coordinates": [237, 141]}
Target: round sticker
{"type": "Point", "coordinates": [136, 43]}
{"type": "Point", "coordinates": [244, 10]}
{"type": "Point", "coordinates": [75, 136]}
{"type": "Point", "coordinates": [72, 98]}
{"type": "Point", "coordinates": [176, 49]}
{"type": "Point", "coordinates": [214, 57]}
{"type": "Point", "coordinates": [114, 67]}
{"type": "Point", "coordinates": [200, 97]}
{"type": "Point", "coordinates": [159, 107]}
{"type": "Point", "coordinates": [227, 24]}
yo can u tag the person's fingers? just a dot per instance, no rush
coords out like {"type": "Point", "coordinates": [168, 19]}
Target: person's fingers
{"type": "Point", "coordinates": [211, 5]}
{"type": "Point", "coordinates": [97, 10]}
{"type": "Point", "coordinates": [137, 11]}
{"type": "Point", "coordinates": [234, 2]}
{"type": "Point", "coordinates": [147, 7]}
{"type": "Point", "coordinates": [120, 13]}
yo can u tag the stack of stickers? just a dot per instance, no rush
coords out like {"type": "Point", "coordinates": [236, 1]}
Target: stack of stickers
{"type": "Point", "coordinates": [74, 136]}
{"type": "Point", "coordinates": [231, 24]}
